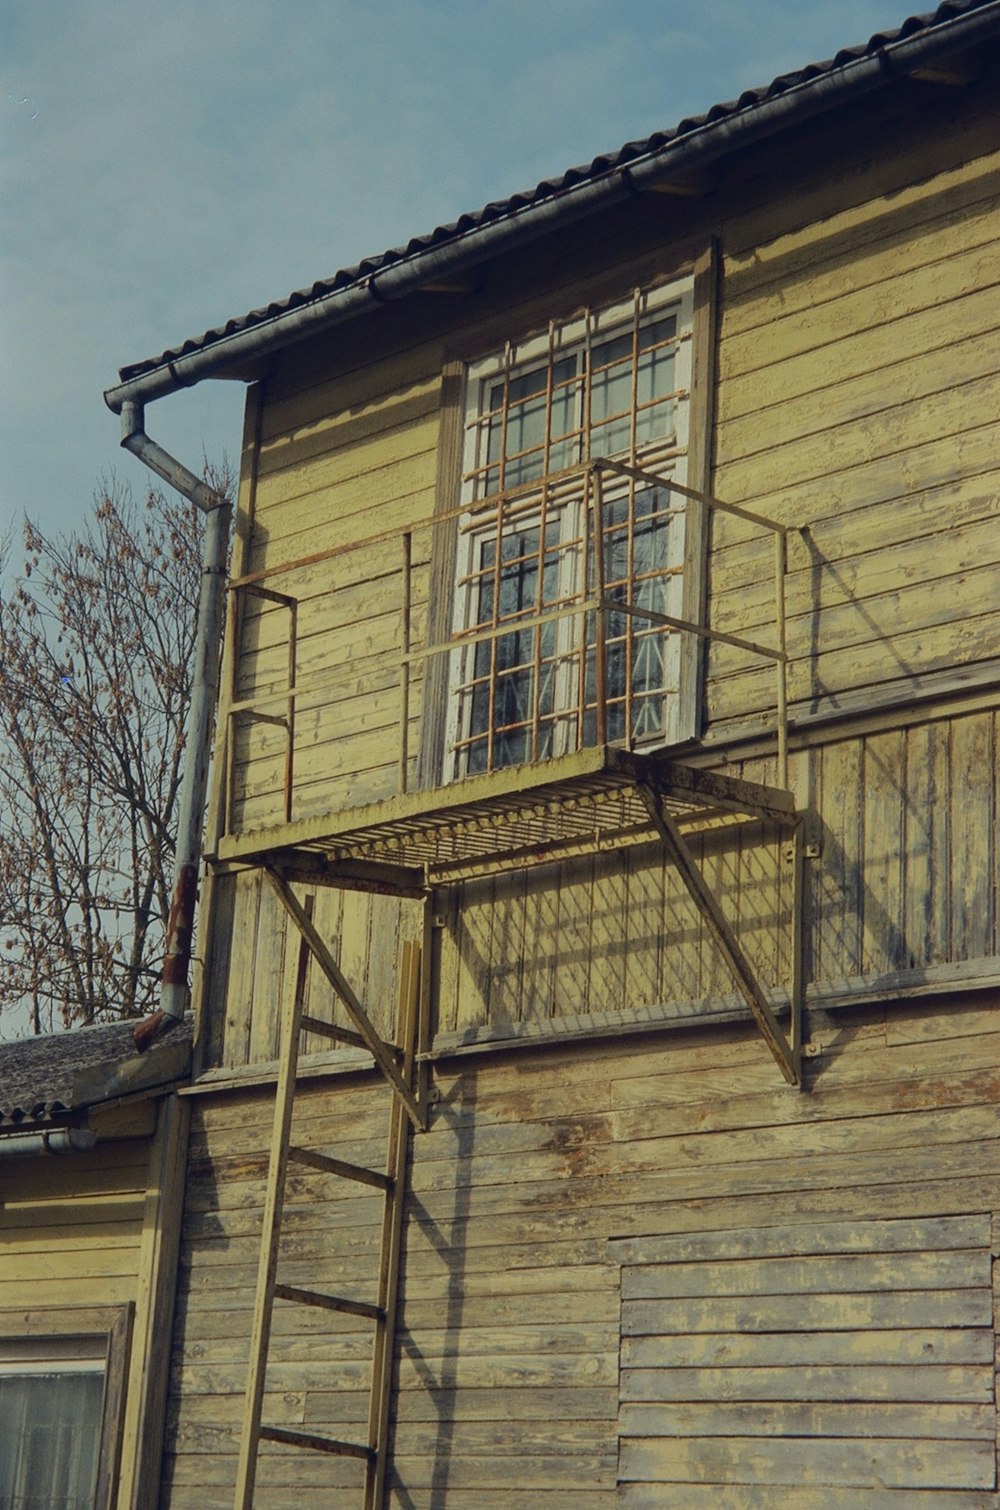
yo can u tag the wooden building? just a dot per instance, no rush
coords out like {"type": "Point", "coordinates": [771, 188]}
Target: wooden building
{"type": "Point", "coordinates": [91, 1182]}
{"type": "Point", "coordinates": [608, 782]}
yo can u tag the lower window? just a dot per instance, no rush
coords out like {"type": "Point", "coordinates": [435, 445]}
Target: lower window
{"type": "Point", "coordinates": [61, 1394]}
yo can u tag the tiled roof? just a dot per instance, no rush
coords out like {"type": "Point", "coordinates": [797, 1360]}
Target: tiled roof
{"type": "Point", "coordinates": [552, 188]}
{"type": "Point", "coordinates": [43, 1079]}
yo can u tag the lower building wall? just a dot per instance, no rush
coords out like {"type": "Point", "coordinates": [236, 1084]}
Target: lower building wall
{"type": "Point", "coordinates": [80, 1242]}
{"type": "Point", "coordinates": [640, 1273]}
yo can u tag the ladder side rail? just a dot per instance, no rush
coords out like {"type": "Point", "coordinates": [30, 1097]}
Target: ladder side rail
{"type": "Point", "coordinates": [391, 1246]}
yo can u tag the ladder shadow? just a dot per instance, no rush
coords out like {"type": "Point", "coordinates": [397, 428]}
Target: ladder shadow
{"type": "Point", "coordinates": [448, 1243]}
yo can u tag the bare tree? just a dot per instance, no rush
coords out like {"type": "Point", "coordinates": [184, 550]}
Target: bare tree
{"type": "Point", "coordinates": [96, 644]}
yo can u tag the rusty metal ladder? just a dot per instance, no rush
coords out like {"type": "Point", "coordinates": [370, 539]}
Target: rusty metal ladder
{"type": "Point", "coordinates": [398, 1064]}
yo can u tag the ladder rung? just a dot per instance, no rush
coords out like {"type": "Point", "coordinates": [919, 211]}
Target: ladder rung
{"type": "Point", "coordinates": [332, 1030]}
{"type": "Point", "coordinates": [328, 1302]}
{"type": "Point", "coordinates": [323, 1162]}
{"type": "Point", "coordinates": [317, 1443]}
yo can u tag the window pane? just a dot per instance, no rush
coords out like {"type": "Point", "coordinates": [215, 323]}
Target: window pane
{"type": "Point", "coordinates": [519, 437]}
{"type": "Point", "coordinates": [50, 1431]}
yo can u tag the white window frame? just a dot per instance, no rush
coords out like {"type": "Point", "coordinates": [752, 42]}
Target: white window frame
{"type": "Point", "coordinates": [669, 458]}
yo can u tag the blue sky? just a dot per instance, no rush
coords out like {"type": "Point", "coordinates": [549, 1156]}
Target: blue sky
{"type": "Point", "coordinates": [165, 167]}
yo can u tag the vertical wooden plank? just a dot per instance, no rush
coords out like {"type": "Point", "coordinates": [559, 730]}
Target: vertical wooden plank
{"type": "Point", "coordinates": [381, 978]}
{"type": "Point", "coordinates": [719, 864]}
{"type": "Point", "coordinates": [354, 945]}
{"type": "Point", "coordinates": [882, 886]}
{"type": "Point", "coordinates": [763, 902]}
{"type": "Point", "coordinates": [973, 853]}
{"type": "Point", "coordinates": [538, 976]}
{"type": "Point", "coordinates": [437, 671]}
{"type": "Point", "coordinates": [474, 937]}
{"type": "Point", "coordinates": [507, 947]}
{"type": "Point", "coordinates": [609, 928]}
{"type": "Point", "coordinates": [211, 982]}
{"type": "Point", "coordinates": [243, 944]}
{"type": "Point", "coordinates": [445, 991]}
{"type": "Point", "coordinates": [269, 964]}
{"type": "Point", "coordinates": [320, 999]}
{"type": "Point", "coordinates": [837, 937]}
{"type": "Point", "coordinates": [643, 927]}
{"type": "Point", "coordinates": [572, 993]}
{"type": "Point", "coordinates": [927, 884]}
{"type": "Point", "coordinates": [700, 466]}
{"type": "Point", "coordinates": [684, 955]}
{"type": "Point", "coordinates": [216, 903]}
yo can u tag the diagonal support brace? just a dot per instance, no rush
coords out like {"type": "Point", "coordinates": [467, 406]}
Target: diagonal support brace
{"type": "Point", "coordinates": [382, 1053]}
{"type": "Point", "coordinates": [786, 1056]}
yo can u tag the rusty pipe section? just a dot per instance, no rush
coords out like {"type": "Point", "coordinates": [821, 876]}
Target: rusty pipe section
{"type": "Point", "coordinates": [174, 989]}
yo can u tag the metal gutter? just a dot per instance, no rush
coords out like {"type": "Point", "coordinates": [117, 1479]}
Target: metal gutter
{"type": "Point", "coordinates": [201, 717]}
{"type": "Point", "coordinates": [699, 147]}
{"type": "Point", "coordinates": [60, 1141]}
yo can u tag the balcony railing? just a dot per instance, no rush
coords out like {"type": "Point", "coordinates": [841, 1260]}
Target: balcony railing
{"type": "Point", "coordinates": [564, 636]}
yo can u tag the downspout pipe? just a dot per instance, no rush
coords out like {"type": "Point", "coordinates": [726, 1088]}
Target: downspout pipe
{"type": "Point", "coordinates": [691, 151]}
{"type": "Point", "coordinates": [201, 714]}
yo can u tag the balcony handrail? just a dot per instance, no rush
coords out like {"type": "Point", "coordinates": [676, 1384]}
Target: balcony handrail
{"type": "Point", "coordinates": [593, 600]}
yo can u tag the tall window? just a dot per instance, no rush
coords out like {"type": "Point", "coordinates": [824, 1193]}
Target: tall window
{"type": "Point", "coordinates": [538, 674]}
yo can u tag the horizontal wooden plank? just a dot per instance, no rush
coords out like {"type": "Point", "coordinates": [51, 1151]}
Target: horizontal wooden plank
{"type": "Point", "coordinates": [831, 399]}
{"type": "Point", "coordinates": [960, 1269]}
{"type": "Point", "coordinates": [797, 1419]}
{"type": "Point", "coordinates": [824, 1312]}
{"type": "Point", "coordinates": [834, 572]}
{"type": "Point", "coordinates": [521, 1371]}
{"type": "Point", "coordinates": [504, 1439]}
{"type": "Point", "coordinates": [865, 1236]}
{"type": "Point", "coordinates": [294, 528]}
{"type": "Point", "coordinates": [449, 1404]}
{"type": "Point", "coordinates": [900, 431]}
{"type": "Point", "coordinates": [866, 241]}
{"type": "Point", "coordinates": [293, 436]}
{"type": "Point", "coordinates": [807, 1497]}
{"type": "Point", "coordinates": [67, 1264]}
{"type": "Point", "coordinates": [376, 468]}
{"type": "Point", "coordinates": [648, 1343]}
{"type": "Point", "coordinates": [960, 271]}
{"type": "Point", "coordinates": [938, 1382]}
{"type": "Point", "coordinates": [855, 352]}
{"type": "Point", "coordinates": [47, 1292]}
{"type": "Point", "coordinates": [345, 382]}
{"type": "Point", "coordinates": [848, 1462]}
{"type": "Point", "coordinates": [284, 1467]}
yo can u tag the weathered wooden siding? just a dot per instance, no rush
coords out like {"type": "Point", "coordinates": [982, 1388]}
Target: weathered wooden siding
{"type": "Point", "coordinates": [858, 369]}
{"type": "Point", "coordinates": [644, 1260]}
{"type": "Point", "coordinates": [857, 373]}
{"type": "Point", "coordinates": [332, 470]}
{"type": "Point", "coordinates": [857, 379]}
{"type": "Point", "coordinates": [906, 824]}
{"type": "Point", "coordinates": [71, 1228]}
{"type": "Point", "coordinates": [85, 1231]}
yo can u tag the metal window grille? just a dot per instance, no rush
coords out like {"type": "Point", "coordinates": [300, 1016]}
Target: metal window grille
{"type": "Point", "coordinates": [538, 539]}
